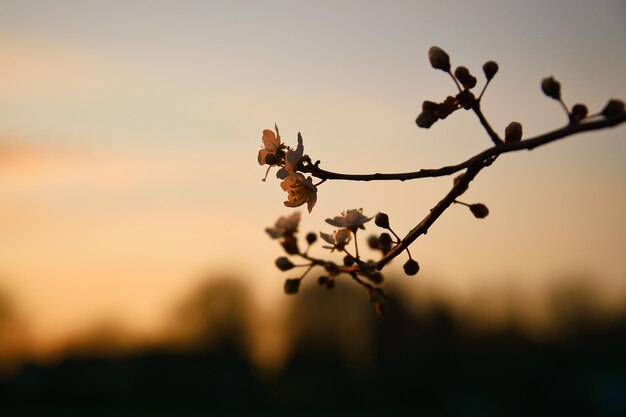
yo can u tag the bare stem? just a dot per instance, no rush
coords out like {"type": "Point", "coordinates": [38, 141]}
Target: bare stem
{"type": "Point", "coordinates": [565, 109]}
{"type": "Point", "coordinates": [358, 280]}
{"type": "Point", "coordinates": [308, 270]}
{"type": "Point", "coordinates": [422, 228]}
{"type": "Point", "coordinates": [455, 81]}
{"type": "Point", "coordinates": [484, 89]}
{"type": "Point", "coordinates": [500, 148]}
{"type": "Point", "coordinates": [483, 121]}
{"type": "Point", "coordinates": [356, 246]}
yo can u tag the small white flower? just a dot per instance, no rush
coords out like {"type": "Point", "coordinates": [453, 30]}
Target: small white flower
{"type": "Point", "coordinates": [351, 219]}
{"type": "Point", "coordinates": [339, 239]}
{"type": "Point", "coordinates": [284, 226]}
{"type": "Point", "coordinates": [292, 159]}
{"type": "Point", "coordinates": [272, 152]}
{"type": "Point", "coordinates": [271, 146]}
{"type": "Point", "coordinates": [299, 190]}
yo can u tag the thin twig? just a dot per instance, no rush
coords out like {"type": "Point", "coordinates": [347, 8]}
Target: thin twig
{"type": "Point", "coordinates": [483, 121]}
{"type": "Point", "coordinates": [504, 147]}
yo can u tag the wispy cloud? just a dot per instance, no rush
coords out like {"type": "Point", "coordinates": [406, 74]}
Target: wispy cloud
{"type": "Point", "coordinates": [37, 161]}
{"type": "Point", "coordinates": [21, 157]}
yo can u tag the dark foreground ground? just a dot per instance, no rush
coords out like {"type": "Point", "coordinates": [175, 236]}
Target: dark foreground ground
{"type": "Point", "coordinates": [426, 364]}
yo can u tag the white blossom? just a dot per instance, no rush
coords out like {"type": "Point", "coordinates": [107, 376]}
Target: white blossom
{"type": "Point", "coordinates": [284, 226]}
{"type": "Point", "coordinates": [299, 190]}
{"type": "Point", "coordinates": [351, 219]}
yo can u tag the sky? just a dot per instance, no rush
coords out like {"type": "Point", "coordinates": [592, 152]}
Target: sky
{"type": "Point", "coordinates": [129, 133]}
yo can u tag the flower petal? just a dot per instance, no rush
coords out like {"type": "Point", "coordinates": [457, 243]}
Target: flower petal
{"type": "Point", "coordinates": [342, 236]}
{"type": "Point", "coordinates": [262, 154]}
{"type": "Point", "coordinates": [289, 222]}
{"type": "Point", "coordinates": [311, 193]}
{"type": "Point", "coordinates": [337, 221]}
{"type": "Point", "coordinates": [310, 202]}
{"type": "Point", "coordinates": [295, 199]}
{"type": "Point", "coordinates": [293, 157]}
{"type": "Point", "coordinates": [274, 233]}
{"type": "Point", "coordinates": [282, 173]}
{"type": "Point", "coordinates": [288, 182]}
{"type": "Point", "coordinates": [351, 218]}
{"type": "Point", "coordinates": [328, 238]}
{"type": "Point", "coordinates": [270, 141]}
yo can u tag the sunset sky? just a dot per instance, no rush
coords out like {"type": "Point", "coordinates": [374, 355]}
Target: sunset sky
{"type": "Point", "coordinates": [129, 133]}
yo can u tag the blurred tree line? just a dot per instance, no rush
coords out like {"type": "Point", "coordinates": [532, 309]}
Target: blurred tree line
{"type": "Point", "coordinates": [342, 360]}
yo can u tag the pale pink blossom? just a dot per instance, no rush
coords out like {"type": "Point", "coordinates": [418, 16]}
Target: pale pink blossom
{"type": "Point", "coordinates": [300, 190]}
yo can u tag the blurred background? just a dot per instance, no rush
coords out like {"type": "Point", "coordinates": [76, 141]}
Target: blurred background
{"type": "Point", "coordinates": [135, 273]}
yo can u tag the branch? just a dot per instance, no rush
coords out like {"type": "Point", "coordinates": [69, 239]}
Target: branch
{"type": "Point", "coordinates": [483, 121]}
{"type": "Point", "coordinates": [482, 160]}
{"type": "Point", "coordinates": [502, 147]}
{"type": "Point", "coordinates": [422, 228]}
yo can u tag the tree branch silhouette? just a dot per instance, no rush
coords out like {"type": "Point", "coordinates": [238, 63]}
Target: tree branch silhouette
{"type": "Point", "coordinates": [500, 148]}
{"type": "Point", "coordinates": [293, 164]}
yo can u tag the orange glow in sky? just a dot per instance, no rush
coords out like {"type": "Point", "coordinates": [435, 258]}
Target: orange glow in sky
{"type": "Point", "coordinates": [129, 134]}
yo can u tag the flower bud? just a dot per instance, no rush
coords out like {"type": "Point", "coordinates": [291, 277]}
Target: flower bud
{"type": "Point", "coordinates": [551, 88]}
{"type": "Point", "coordinates": [429, 106]}
{"type": "Point", "coordinates": [331, 267]}
{"type": "Point", "coordinates": [292, 285]}
{"type": "Point", "coordinates": [411, 267]}
{"type": "Point", "coordinates": [463, 75]}
{"type": "Point", "coordinates": [330, 284]}
{"type": "Point", "coordinates": [373, 242]}
{"type": "Point", "coordinates": [513, 132]}
{"type": "Point", "coordinates": [579, 112]}
{"type": "Point", "coordinates": [311, 238]}
{"type": "Point", "coordinates": [322, 280]}
{"type": "Point", "coordinates": [447, 107]}
{"type": "Point", "coordinates": [466, 99]}
{"type": "Point", "coordinates": [290, 244]}
{"type": "Point", "coordinates": [439, 59]}
{"type": "Point", "coordinates": [348, 260]}
{"type": "Point", "coordinates": [426, 119]}
{"type": "Point", "coordinates": [376, 277]}
{"type": "Point", "coordinates": [480, 211]}
{"type": "Point", "coordinates": [490, 68]}
{"type": "Point", "coordinates": [471, 82]}
{"type": "Point", "coordinates": [457, 180]}
{"type": "Point", "coordinates": [382, 220]}
{"type": "Point", "coordinates": [613, 108]}
{"type": "Point", "coordinates": [284, 264]}
{"type": "Point", "coordinates": [385, 239]}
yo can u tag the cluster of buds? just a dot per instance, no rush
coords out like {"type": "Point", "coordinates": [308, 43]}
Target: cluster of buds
{"type": "Point", "coordinates": [579, 112]}
{"type": "Point", "coordinates": [274, 153]}
{"type": "Point", "coordinates": [385, 242]}
{"type": "Point", "coordinates": [465, 82]}
{"type": "Point", "coordinates": [465, 98]}
{"type": "Point", "coordinates": [342, 240]}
